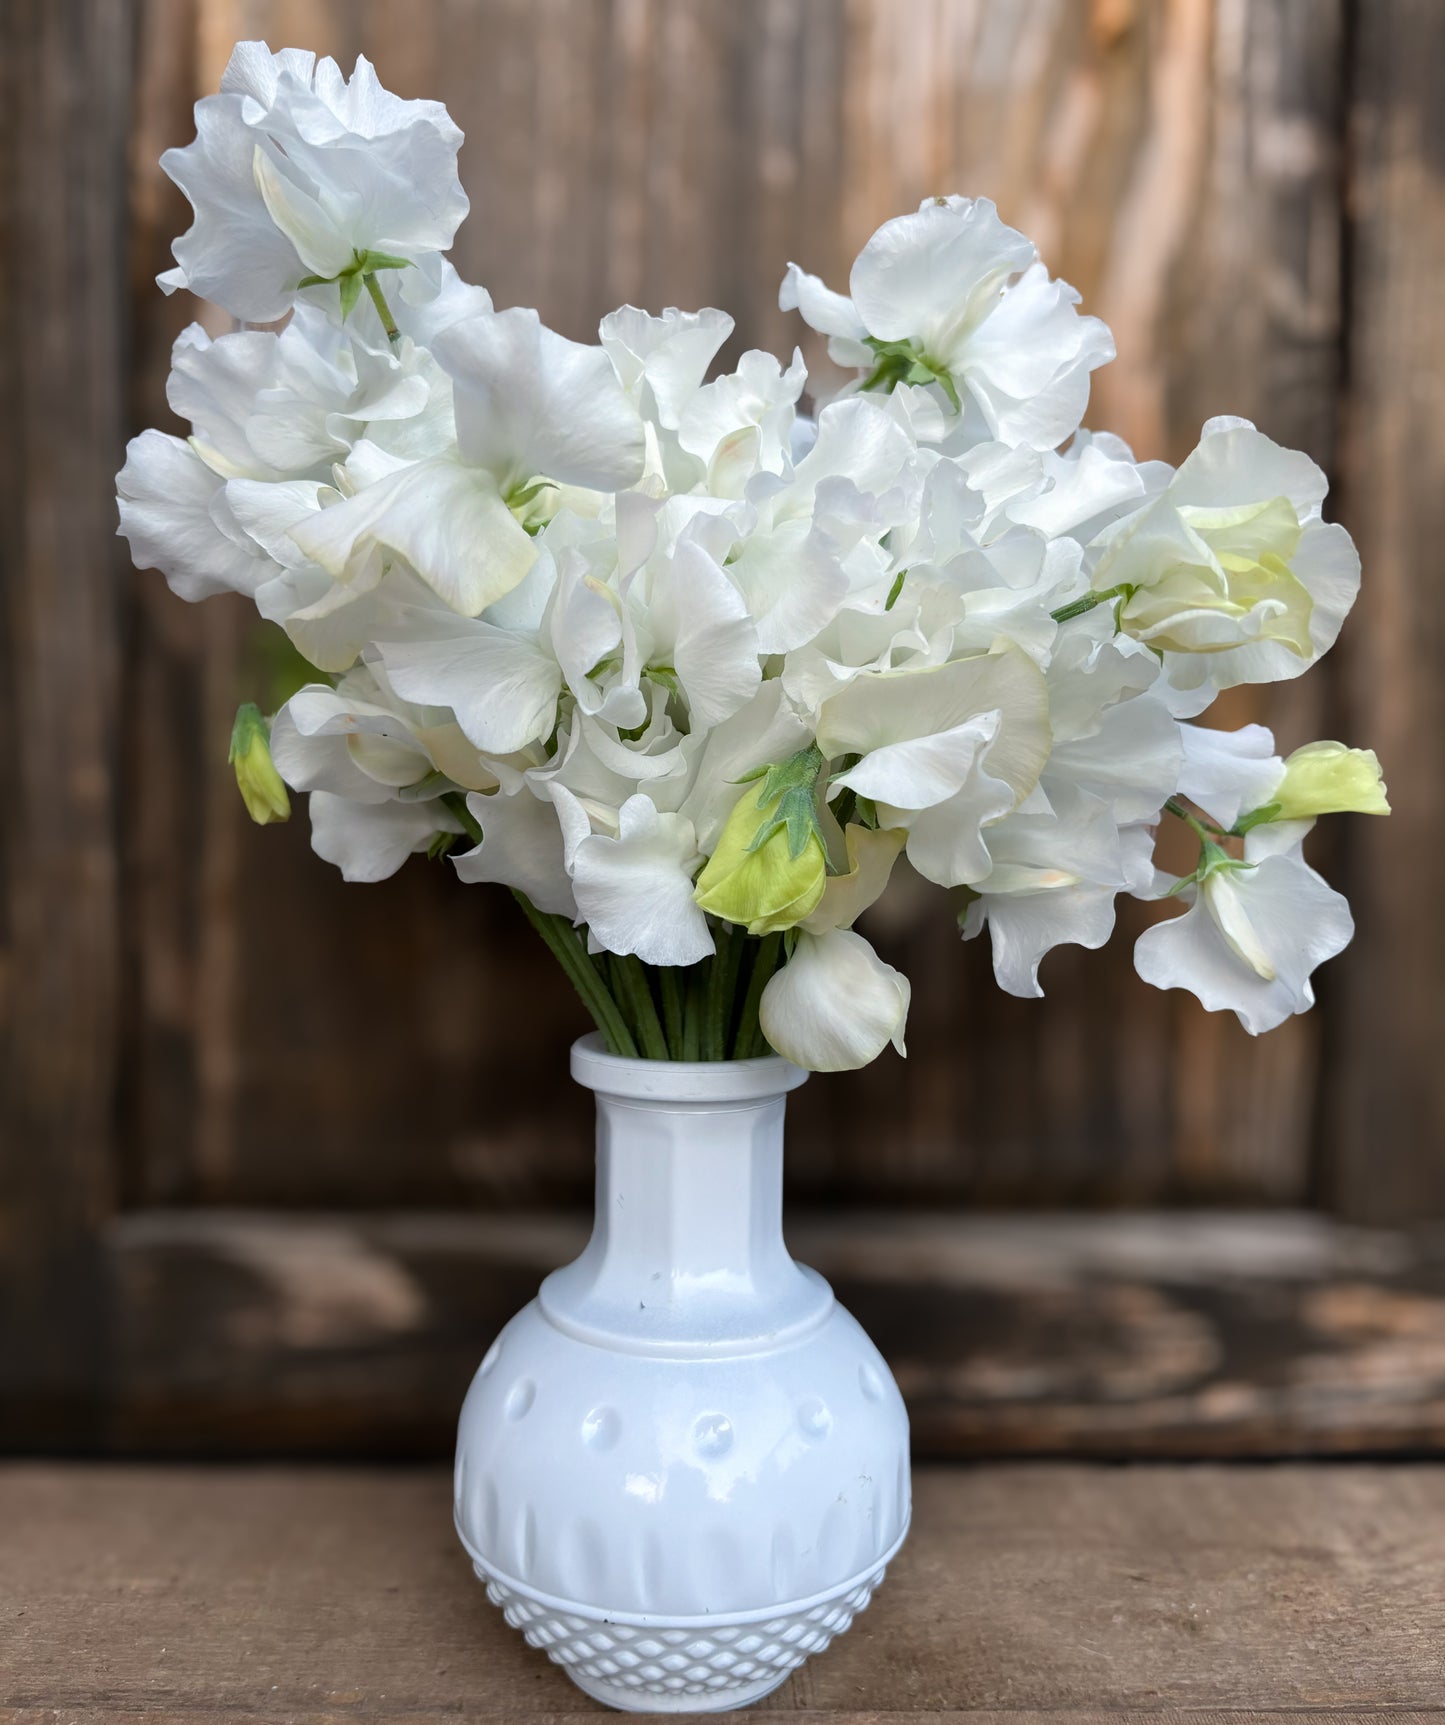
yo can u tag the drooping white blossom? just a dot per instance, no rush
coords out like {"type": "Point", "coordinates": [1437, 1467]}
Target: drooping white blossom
{"type": "Point", "coordinates": [1252, 936]}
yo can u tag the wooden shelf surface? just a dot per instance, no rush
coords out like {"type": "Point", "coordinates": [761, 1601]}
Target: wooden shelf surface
{"type": "Point", "coordinates": [192, 1595]}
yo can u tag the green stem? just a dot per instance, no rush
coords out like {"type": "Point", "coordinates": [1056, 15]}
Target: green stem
{"type": "Point", "coordinates": [609, 968]}
{"type": "Point", "coordinates": [383, 310]}
{"type": "Point", "coordinates": [568, 948]}
{"type": "Point", "coordinates": [1079, 606]}
{"type": "Point", "coordinates": [722, 985]}
{"type": "Point", "coordinates": [643, 1009]}
{"type": "Point", "coordinates": [750, 1040]}
{"type": "Point", "coordinates": [671, 985]}
{"type": "Point", "coordinates": [455, 802]}
{"type": "Point", "coordinates": [1206, 829]}
{"type": "Point", "coordinates": [692, 1015]}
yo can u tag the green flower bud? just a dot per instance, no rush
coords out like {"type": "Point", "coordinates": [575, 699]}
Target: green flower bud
{"type": "Point", "coordinates": [261, 786]}
{"type": "Point", "coordinates": [762, 886]}
{"type": "Point", "coordinates": [1329, 779]}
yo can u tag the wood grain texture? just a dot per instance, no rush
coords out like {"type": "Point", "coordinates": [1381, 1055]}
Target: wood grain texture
{"type": "Point", "coordinates": [1023, 1594]}
{"type": "Point", "coordinates": [64, 113]}
{"type": "Point", "coordinates": [1386, 1098]}
{"type": "Point", "coordinates": [1177, 162]}
{"type": "Point", "coordinates": [1128, 1336]}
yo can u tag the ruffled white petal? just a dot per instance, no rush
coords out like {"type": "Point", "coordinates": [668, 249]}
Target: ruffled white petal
{"type": "Point", "coordinates": [501, 687]}
{"type": "Point", "coordinates": [1249, 945]}
{"type": "Point", "coordinates": [446, 519]}
{"type": "Point", "coordinates": [530, 403]}
{"type": "Point", "coordinates": [1229, 772]}
{"type": "Point", "coordinates": [635, 891]}
{"type": "Point", "coordinates": [522, 847]}
{"type": "Point", "coordinates": [370, 842]}
{"type": "Point", "coordinates": [173, 511]}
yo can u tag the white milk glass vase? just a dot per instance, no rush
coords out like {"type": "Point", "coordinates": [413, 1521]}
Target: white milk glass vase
{"type": "Point", "coordinates": [683, 1467]}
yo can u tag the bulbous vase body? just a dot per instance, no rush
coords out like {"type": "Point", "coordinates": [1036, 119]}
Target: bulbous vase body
{"type": "Point", "coordinates": [683, 1467]}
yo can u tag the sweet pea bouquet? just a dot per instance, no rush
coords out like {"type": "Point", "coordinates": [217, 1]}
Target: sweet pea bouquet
{"type": "Point", "coordinates": [691, 669]}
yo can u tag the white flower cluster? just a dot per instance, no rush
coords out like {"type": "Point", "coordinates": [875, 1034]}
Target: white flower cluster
{"type": "Point", "coordinates": [692, 669]}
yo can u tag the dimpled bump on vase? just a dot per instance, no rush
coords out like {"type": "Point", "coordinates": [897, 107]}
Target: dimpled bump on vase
{"type": "Point", "coordinates": [683, 1468]}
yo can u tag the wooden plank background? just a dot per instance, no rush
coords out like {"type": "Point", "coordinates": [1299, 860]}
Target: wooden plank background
{"type": "Point", "coordinates": [1249, 190]}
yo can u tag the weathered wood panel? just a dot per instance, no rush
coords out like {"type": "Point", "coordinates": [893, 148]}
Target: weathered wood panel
{"type": "Point", "coordinates": [1024, 1596]}
{"type": "Point", "coordinates": [1386, 1097]}
{"type": "Point", "coordinates": [1177, 161]}
{"type": "Point", "coordinates": [64, 113]}
{"type": "Point", "coordinates": [1143, 1335]}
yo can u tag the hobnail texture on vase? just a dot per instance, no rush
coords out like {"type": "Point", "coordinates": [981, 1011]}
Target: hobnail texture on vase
{"type": "Point", "coordinates": [697, 1668]}
{"type": "Point", "coordinates": [683, 1467]}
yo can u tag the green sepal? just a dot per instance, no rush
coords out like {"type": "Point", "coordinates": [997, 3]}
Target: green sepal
{"type": "Point", "coordinates": [1213, 859]}
{"type": "Point", "coordinates": [1255, 818]}
{"type": "Point", "coordinates": [350, 293]}
{"type": "Point", "coordinates": [522, 495]}
{"type": "Point", "coordinates": [903, 362]}
{"type": "Point", "coordinates": [793, 786]}
{"type": "Point", "coordinates": [367, 263]}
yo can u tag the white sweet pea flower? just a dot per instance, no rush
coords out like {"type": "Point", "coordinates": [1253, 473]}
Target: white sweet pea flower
{"type": "Point", "coordinates": [501, 685]}
{"type": "Point", "coordinates": [1230, 573]}
{"type": "Point", "coordinates": [1114, 737]}
{"type": "Point", "coordinates": [1227, 773]}
{"type": "Point", "coordinates": [360, 741]}
{"type": "Point", "coordinates": [1083, 489]}
{"type": "Point", "coordinates": [634, 888]}
{"type": "Point", "coordinates": [175, 514]}
{"type": "Point", "coordinates": [819, 525]}
{"type": "Point", "coordinates": [835, 1005]}
{"type": "Point", "coordinates": [277, 407]}
{"type": "Point", "coordinates": [532, 409]}
{"type": "Point", "coordinates": [1252, 935]}
{"type": "Point", "coordinates": [522, 845]}
{"type": "Point", "coordinates": [953, 294]}
{"type": "Point", "coordinates": [1083, 835]}
{"type": "Point", "coordinates": [1053, 883]}
{"type": "Point", "coordinates": [545, 807]}
{"type": "Point", "coordinates": [297, 171]}
{"type": "Point", "coordinates": [661, 361]}
{"type": "Point", "coordinates": [742, 424]}
{"type": "Point", "coordinates": [370, 841]}
{"type": "Point", "coordinates": [943, 753]}
{"type": "Point", "coordinates": [692, 631]}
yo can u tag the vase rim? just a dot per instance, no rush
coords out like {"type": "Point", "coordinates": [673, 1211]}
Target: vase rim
{"type": "Point", "coordinates": [681, 1080]}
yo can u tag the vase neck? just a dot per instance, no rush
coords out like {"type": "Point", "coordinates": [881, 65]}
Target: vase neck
{"type": "Point", "coordinates": [687, 1247]}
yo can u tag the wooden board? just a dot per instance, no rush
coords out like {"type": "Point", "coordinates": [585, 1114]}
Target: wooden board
{"type": "Point", "coordinates": [202, 1596]}
{"type": "Point", "coordinates": [1385, 1102]}
{"type": "Point", "coordinates": [64, 97]}
{"type": "Point", "coordinates": [1142, 1335]}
